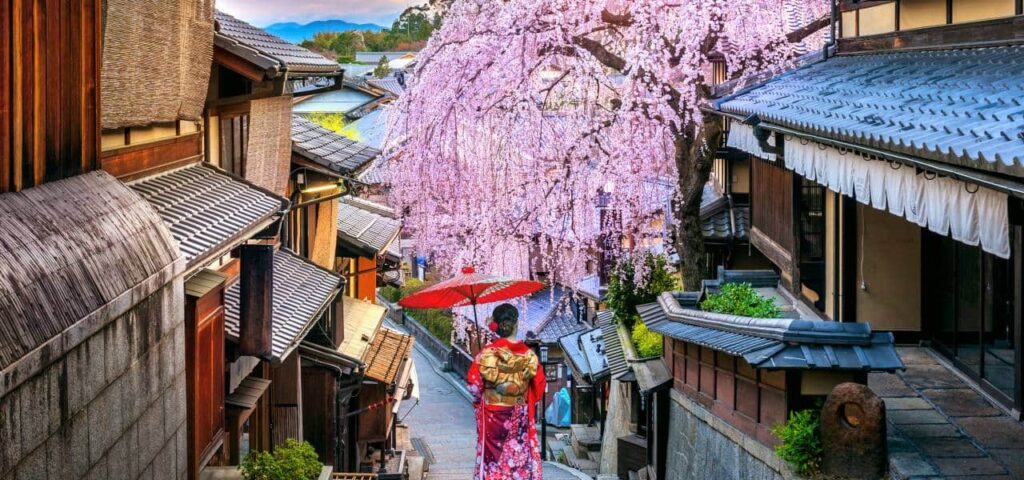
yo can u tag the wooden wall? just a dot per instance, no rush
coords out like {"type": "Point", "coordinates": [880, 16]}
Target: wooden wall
{"type": "Point", "coordinates": [49, 96]}
{"type": "Point", "coordinates": [752, 400]}
{"type": "Point", "coordinates": [771, 202]}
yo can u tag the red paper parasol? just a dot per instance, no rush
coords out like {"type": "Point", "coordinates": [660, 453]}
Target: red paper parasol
{"type": "Point", "coordinates": [470, 288]}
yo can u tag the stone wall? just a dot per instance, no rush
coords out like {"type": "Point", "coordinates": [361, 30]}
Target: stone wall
{"type": "Point", "coordinates": [112, 407]}
{"type": "Point", "coordinates": [702, 446]}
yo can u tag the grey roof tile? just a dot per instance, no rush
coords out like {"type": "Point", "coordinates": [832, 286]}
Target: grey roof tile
{"type": "Point", "coordinates": [264, 48]}
{"type": "Point", "coordinates": [329, 149]}
{"type": "Point", "coordinates": [366, 227]}
{"type": "Point", "coordinates": [302, 290]}
{"type": "Point", "coordinates": [207, 209]}
{"type": "Point", "coordinates": [963, 107]}
{"type": "Point", "coordinates": [388, 84]}
{"type": "Point", "coordinates": [612, 343]}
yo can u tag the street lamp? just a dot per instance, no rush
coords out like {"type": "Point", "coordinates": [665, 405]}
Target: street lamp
{"type": "Point", "coordinates": [544, 404]}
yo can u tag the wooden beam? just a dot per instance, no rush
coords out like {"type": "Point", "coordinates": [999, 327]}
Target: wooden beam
{"type": "Point", "coordinates": [136, 161]}
{"type": "Point", "coordinates": [256, 298]}
{"type": "Point", "coordinates": [1000, 31]}
{"type": "Point", "coordinates": [847, 5]}
{"type": "Point", "coordinates": [238, 65]}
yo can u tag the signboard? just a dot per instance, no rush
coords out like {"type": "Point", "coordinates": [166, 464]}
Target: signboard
{"type": "Point", "coordinates": [551, 372]}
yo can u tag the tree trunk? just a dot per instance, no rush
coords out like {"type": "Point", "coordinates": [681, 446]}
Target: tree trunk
{"type": "Point", "coordinates": [694, 154]}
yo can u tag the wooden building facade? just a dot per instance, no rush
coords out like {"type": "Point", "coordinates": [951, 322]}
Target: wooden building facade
{"type": "Point", "coordinates": [861, 243]}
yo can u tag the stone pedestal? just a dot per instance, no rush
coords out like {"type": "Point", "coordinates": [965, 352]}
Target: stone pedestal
{"type": "Point", "coordinates": [853, 433]}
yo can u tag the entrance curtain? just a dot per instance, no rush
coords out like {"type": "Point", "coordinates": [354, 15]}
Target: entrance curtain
{"type": "Point", "coordinates": [971, 214]}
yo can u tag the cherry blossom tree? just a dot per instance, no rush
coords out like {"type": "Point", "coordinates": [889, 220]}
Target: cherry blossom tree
{"type": "Point", "coordinates": [569, 127]}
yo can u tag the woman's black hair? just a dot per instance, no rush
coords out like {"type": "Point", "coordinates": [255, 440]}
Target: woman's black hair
{"type": "Point", "coordinates": [507, 318]}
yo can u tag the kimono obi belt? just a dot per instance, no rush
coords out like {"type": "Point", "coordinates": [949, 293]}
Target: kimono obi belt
{"type": "Point", "coordinates": [506, 376]}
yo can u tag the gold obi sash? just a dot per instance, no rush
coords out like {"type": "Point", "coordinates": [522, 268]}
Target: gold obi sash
{"type": "Point", "coordinates": [506, 375]}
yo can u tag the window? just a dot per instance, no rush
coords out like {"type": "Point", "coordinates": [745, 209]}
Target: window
{"type": "Point", "coordinates": [812, 241]}
{"type": "Point", "coordinates": [234, 140]}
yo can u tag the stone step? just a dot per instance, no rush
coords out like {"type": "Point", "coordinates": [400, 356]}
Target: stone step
{"type": "Point", "coordinates": [584, 465]}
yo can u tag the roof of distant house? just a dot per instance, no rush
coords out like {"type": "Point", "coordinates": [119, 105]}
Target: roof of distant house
{"type": "Point", "coordinates": [374, 57]}
{"type": "Point", "coordinates": [343, 100]}
{"type": "Point", "coordinates": [955, 106]}
{"type": "Point", "coordinates": [326, 148]}
{"type": "Point", "coordinates": [268, 51]}
{"type": "Point", "coordinates": [365, 227]}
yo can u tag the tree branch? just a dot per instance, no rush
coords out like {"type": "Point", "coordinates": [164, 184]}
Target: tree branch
{"type": "Point", "coordinates": [801, 33]}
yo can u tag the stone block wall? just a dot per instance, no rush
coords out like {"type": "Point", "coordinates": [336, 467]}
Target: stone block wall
{"type": "Point", "coordinates": [112, 407]}
{"type": "Point", "coordinates": [703, 446]}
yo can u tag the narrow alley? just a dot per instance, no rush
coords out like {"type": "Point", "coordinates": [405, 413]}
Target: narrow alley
{"type": "Point", "coordinates": [442, 426]}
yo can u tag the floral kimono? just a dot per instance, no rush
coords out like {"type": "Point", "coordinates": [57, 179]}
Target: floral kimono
{"type": "Point", "coordinates": [506, 382]}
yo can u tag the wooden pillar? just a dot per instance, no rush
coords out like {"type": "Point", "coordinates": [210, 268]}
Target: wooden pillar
{"type": "Point", "coordinates": [256, 300]}
{"type": "Point", "coordinates": [286, 410]}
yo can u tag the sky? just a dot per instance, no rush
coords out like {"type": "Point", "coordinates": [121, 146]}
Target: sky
{"type": "Point", "coordinates": [265, 12]}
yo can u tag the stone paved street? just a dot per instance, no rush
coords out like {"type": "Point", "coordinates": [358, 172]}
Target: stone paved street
{"type": "Point", "coordinates": [444, 422]}
{"type": "Point", "coordinates": [938, 426]}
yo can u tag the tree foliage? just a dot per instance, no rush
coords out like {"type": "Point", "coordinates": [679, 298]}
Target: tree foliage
{"type": "Point", "coordinates": [524, 115]}
{"type": "Point", "coordinates": [741, 299]}
{"type": "Point", "coordinates": [409, 32]}
{"type": "Point", "coordinates": [383, 69]}
{"type": "Point", "coordinates": [630, 286]}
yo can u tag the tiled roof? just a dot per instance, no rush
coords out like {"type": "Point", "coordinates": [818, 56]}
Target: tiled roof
{"type": "Point", "coordinates": [612, 343]}
{"type": "Point", "coordinates": [651, 374]}
{"type": "Point", "coordinates": [371, 129]}
{"type": "Point", "coordinates": [576, 360]}
{"type": "Point", "coordinates": [365, 227]}
{"type": "Point", "coordinates": [718, 226]}
{"type": "Point", "coordinates": [361, 322]}
{"type": "Point", "coordinates": [329, 149]}
{"type": "Point", "coordinates": [774, 342]}
{"type": "Point", "coordinates": [388, 354]}
{"type": "Point", "coordinates": [335, 101]}
{"type": "Point", "coordinates": [208, 210]}
{"type": "Point", "coordinates": [591, 287]}
{"type": "Point", "coordinates": [389, 84]}
{"type": "Point", "coordinates": [70, 250]}
{"type": "Point", "coordinates": [265, 49]}
{"type": "Point", "coordinates": [302, 290]}
{"type": "Point", "coordinates": [961, 106]}
{"type": "Point", "coordinates": [562, 323]}
{"type": "Point", "coordinates": [592, 346]}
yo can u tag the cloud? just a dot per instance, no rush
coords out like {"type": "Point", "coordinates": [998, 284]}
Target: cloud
{"type": "Point", "coordinates": [265, 12]}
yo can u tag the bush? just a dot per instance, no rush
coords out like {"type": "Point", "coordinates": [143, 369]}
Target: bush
{"type": "Point", "coordinates": [801, 441]}
{"type": "Point", "coordinates": [624, 294]}
{"type": "Point", "coordinates": [294, 460]}
{"type": "Point", "coordinates": [741, 299]}
{"type": "Point", "coordinates": [648, 344]}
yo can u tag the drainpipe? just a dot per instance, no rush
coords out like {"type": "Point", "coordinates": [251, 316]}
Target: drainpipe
{"type": "Point", "coordinates": [833, 30]}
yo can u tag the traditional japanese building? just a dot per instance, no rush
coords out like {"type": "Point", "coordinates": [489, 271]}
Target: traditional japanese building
{"type": "Point", "coordinates": [886, 179]}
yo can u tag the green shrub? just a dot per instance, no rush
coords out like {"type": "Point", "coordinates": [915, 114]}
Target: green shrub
{"type": "Point", "coordinates": [391, 294]}
{"type": "Point", "coordinates": [648, 344]}
{"type": "Point", "coordinates": [624, 294]}
{"type": "Point", "coordinates": [801, 441]}
{"type": "Point", "coordinates": [741, 299]}
{"type": "Point", "coordinates": [294, 460]}
{"type": "Point", "coordinates": [260, 466]}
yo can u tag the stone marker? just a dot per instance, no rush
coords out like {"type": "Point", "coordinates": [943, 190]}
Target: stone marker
{"type": "Point", "coordinates": [853, 433]}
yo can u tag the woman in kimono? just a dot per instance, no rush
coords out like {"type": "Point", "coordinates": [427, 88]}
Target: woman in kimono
{"type": "Point", "coordinates": [506, 382]}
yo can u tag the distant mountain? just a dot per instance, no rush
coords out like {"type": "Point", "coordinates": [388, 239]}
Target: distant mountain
{"type": "Point", "coordinates": [296, 33]}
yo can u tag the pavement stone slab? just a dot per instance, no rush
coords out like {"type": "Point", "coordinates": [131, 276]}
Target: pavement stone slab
{"type": "Point", "coordinates": [961, 402]}
{"type": "Point", "coordinates": [948, 447]}
{"type": "Point", "coordinates": [906, 403]}
{"type": "Point", "coordinates": [911, 465]}
{"type": "Point", "coordinates": [889, 385]}
{"type": "Point", "coordinates": [929, 430]}
{"type": "Point", "coordinates": [915, 356]}
{"type": "Point", "coordinates": [969, 466]}
{"type": "Point", "coordinates": [994, 432]}
{"type": "Point", "coordinates": [904, 417]}
{"type": "Point", "coordinates": [931, 376]}
{"type": "Point", "coordinates": [1011, 458]}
